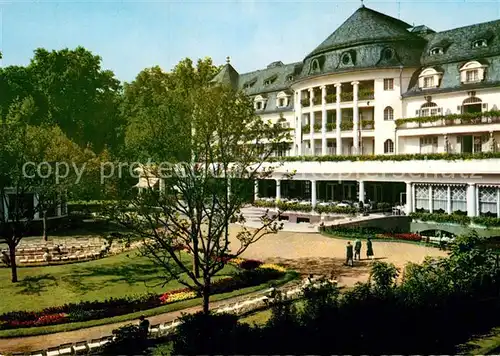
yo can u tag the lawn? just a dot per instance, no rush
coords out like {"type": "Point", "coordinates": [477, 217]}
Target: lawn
{"type": "Point", "coordinates": [115, 276]}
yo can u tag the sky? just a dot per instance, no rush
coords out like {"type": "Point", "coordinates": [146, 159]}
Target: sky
{"type": "Point", "coordinates": [133, 35]}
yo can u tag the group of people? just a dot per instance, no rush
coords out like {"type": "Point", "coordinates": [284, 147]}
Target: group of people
{"type": "Point", "coordinates": [354, 252]}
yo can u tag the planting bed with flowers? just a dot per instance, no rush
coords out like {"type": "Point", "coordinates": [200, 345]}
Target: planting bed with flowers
{"type": "Point", "coordinates": [250, 273]}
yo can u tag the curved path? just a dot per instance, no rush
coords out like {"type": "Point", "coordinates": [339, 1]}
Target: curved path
{"type": "Point", "coordinates": [304, 252]}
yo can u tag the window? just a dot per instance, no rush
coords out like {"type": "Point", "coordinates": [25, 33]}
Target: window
{"type": "Point", "coordinates": [437, 50]}
{"type": "Point", "coordinates": [472, 75]}
{"type": "Point", "coordinates": [429, 78]}
{"type": "Point", "coordinates": [472, 72]}
{"type": "Point", "coordinates": [281, 102]}
{"type": "Point", "coordinates": [387, 54]}
{"type": "Point", "coordinates": [259, 105]}
{"type": "Point", "coordinates": [388, 146]}
{"type": "Point", "coordinates": [315, 64]}
{"type": "Point", "coordinates": [480, 43]}
{"type": "Point", "coordinates": [289, 78]}
{"type": "Point", "coordinates": [428, 144]}
{"type": "Point", "coordinates": [389, 84]}
{"type": "Point", "coordinates": [282, 99]}
{"type": "Point", "coordinates": [388, 114]}
{"type": "Point", "coordinates": [422, 197]}
{"type": "Point", "coordinates": [429, 109]}
{"type": "Point", "coordinates": [428, 82]}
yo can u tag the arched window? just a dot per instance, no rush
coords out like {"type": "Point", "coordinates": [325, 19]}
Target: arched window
{"type": "Point", "coordinates": [388, 114]}
{"type": "Point", "coordinates": [429, 109]}
{"type": "Point", "coordinates": [429, 78]}
{"type": "Point", "coordinates": [388, 146]}
{"type": "Point", "coordinates": [472, 104]}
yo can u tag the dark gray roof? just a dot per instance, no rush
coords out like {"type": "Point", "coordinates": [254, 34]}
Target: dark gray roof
{"type": "Point", "coordinates": [279, 76]}
{"type": "Point", "coordinates": [227, 76]}
{"type": "Point", "coordinates": [365, 26]}
{"type": "Point", "coordinates": [458, 43]}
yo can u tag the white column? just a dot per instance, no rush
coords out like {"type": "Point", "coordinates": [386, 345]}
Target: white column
{"type": "Point", "coordinates": [323, 121]}
{"type": "Point", "coordinates": [256, 190]}
{"type": "Point", "coordinates": [5, 207]}
{"type": "Point", "coordinates": [311, 120]}
{"type": "Point", "coordinates": [35, 205]}
{"type": "Point", "coordinates": [409, 199]}
{"type": "Point", "coordinates": [448, 200]}
{"type": "Point", "coordinates": [430, 199]}
{"type": "Point", "coordinates": [298, 128]}
{"type": "Point", "coordinates": [338, 136]}
{"type": "Point", "coordinates": [313, 193]}
{"type": "Point", "coordinates": [355, 117]}
{"type": "Point", "coordinates": [471, 199]}
{"type": "Point", "coordinates": [361, 193]}
{"type": "Point", "coordinates": [162, 185]}
{"type": "Point", "coordinates": [498, 202]}
{"type": "Point", "coordinates": [278, 190]}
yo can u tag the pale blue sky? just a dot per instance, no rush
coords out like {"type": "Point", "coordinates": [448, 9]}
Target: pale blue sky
{"type": "Point", "coordinates": [133, 35]}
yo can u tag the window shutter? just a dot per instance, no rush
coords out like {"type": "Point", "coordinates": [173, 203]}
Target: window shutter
{"type": "Point", "coordinates": [485, 107]}
{"type": "Point", "coordinates": [459, 109]}
{"type": "Point", "coordinates": [440, 110]}
{"type": "Point", "coordinates": [417, 113]}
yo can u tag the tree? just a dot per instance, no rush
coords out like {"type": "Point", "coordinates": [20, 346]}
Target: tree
{"type": "Point", "coordinates": [16, 201]}
{"type": "Point", "coordinates": [201, 198]}
{"type": "Point", "coordinates": [82, 98]}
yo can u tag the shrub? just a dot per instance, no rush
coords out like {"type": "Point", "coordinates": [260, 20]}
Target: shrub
{"type": "Point", "coordinates": [249, 264]}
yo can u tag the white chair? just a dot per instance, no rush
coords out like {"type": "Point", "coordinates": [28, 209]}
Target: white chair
{"type": "Point", "coordinates": [94, 344]}
{"type": "Point", "coordinates": [37, 353]}
{"type": "Point", "coordinates": [66, 349]}
{"type": "Point", "coordinates": [80, 348]}
{"type": "Point", "coordinates": [53, 351]}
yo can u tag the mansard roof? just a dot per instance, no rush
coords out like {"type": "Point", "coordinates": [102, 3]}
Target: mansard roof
{"type": "Point", "coordinates": [458, 43]}
{"type": "Point", "coordinates": [365, 26]}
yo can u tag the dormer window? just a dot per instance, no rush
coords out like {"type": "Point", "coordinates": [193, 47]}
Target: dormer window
{"type": "Point", "coordinates": [289, 78]}
{"type": "Point", "coordinates": [250, 83]}
{"type": "Point", "coordinates": [472, 72]}
{"type": "Point", "coordinates": [429, 78]}
{"type": "Point", "coordinates": [480, 43]}
{"type": "Point", "coordinates": [387, 54]}
{"type": "Point", "coordinates": [436, 51]}
{"type": "Point", "coordinates": [270, 80]}
{"type": "Point", "coordinates": [260, 102]}
{"type": "Point", "coordinates": [315, 65]}
{"type": "Point", "coordinates": [282, 99]}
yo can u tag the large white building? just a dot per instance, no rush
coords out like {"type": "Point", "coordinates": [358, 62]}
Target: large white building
{"type": "Point", "coordinates": [389, 112]}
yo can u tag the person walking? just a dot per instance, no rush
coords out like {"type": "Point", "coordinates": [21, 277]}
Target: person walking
{"type": "Point", "coordinates": [369, 249]}
{"type": "Point", "coordinates": [357, 249]}
{"type": "Point", "coordinates": [349, 255]}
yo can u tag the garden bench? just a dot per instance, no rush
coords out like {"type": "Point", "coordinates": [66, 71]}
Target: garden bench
{"type": "Point", "coordinates": [94, 344]}
{"type": "Point", "coordinates": [37, 353]}
{"type": "Point", "coordinates": [80, 348]}
{"type": "Point", "coordinates": [53, 351]}
{"type": "Point", "coordinates": [66, 349]}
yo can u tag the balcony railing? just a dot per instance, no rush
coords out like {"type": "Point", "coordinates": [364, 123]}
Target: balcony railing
{"type": "Point", "coordinates": [367, 124]}
{"type": "Point", "coordinates": [305, 102]}
{"type": "Point", "coordinates": [490, 117]}
{"type": "Point", "coordinates": [346, 124]}
{"type": "Point", "coordinates": [366, 94]}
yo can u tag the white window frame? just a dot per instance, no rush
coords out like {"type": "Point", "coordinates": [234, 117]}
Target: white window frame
{"type": "Point", "coordinates": [388, 146]}
{"type": "Point", "coordinates": [260, 102]}
{"type": "Point", "coordinates": [469, 67]}
{"type": "Point", "coordinates": [480, 43]}
{"type": "Point", "coordinates": [429, 74]}
{"type": "Point", "coordinates": [388, 84]}
{"type": "Point", "coordinates": [388, 113]}
{"type": "Point", "coordinates": [282, 96]}
{"type": "Point", "coordinates": [436, 51]}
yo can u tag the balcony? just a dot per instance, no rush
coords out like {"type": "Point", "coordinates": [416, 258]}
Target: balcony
{"type": "Point", "coordinates": [305, 102]}
{"type": "Point", "coordinates": [366, 94]}
{"type": "Point", "coordinates": [491, 117]}
{"type": "Point", "coordinates": [367, 125]}
{"type": "Point", "coordinates": [346, 125]}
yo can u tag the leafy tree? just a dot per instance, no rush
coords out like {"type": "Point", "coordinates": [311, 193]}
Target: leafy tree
{"type": "Point", "coordinates": [82, 98]}
{"type": "Point", "coordinates": [199, 200]}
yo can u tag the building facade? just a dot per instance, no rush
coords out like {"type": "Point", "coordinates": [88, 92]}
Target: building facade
{"type": "Point", "coordinates": [386, 111]}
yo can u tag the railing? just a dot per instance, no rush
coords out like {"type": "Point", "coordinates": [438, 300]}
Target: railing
{"type": "Point", "coordinates": [305, 102]}
{"type": "Point", "coordinates": [367, 124]}
{"type": "Point", "coordinates": [449, 120]}
{"type": "Point", "coordinates": [366, 95]}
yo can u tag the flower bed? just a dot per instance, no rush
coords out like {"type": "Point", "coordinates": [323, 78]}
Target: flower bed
{"type": "Point", "coordinates": [251, 273]}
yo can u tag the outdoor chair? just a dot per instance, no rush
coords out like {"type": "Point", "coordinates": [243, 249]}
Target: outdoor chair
{"type": "Point", "coordinates": [94, 344]}
{"type": "Point", "coordinates": [154, 330]}
{"type": "Point", "coordinates": [53, 351]}
{"type": "Point", "coordinates": [66, 349]}
{"type": "Point", "coordinates": [80, 348]}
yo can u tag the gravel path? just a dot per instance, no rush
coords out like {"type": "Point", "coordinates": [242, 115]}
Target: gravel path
{"type": "Point", "coordinates": [305, 252]}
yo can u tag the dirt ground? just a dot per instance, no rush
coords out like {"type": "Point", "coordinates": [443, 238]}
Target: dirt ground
{"type": "Point", "coordinates": [304, 252]}
{"type": "Point", "coordinates": [312, 253]}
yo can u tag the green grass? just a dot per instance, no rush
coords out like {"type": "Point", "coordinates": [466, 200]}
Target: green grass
{"type": "Point", "coordinates": [42, 330]}
{"type": "Point", "coordinates": [115, 276]}
{"type": "Point", "coordinates": [488, 344]}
